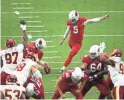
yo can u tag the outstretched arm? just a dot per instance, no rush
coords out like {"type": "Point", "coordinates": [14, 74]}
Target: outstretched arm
{"type": "Point", "coordinates": [95, 19]}
{"type": "Point", "coordinates": [67, 32]}
{"type": "Point", "coordinates": [24, 32]}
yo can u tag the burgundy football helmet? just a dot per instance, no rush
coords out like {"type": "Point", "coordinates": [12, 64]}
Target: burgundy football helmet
{"type": "Point", "coordinates": [10, 43]}
{"type": "Point", "coordinates": [116, 52]}
{"type": "Point", "coordinates": [11, 78]}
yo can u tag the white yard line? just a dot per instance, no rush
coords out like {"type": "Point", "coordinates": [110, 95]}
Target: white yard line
{"type": "Point", "coordinates": [51, 57]}
{"type": "Point", "coordinates": [50, 46]}
{"type": "Point", "coordinates": [37, 31]}
{"type": "Point", "coordinates": [59, 12]}
{"type": "Point", "coordinates": [20, 3]}
{"type": "Point", "coordinates": [36, 26]}
{"type": "Point", "coordinates": [17, 8]}
{"type": "Point", "coordinates": [34, 21]}
{"type": "Point", "coordinates": [28, 17]}
{"type": "Point", "coordinates": [113, 35]}
{"type": "Point", "coordinates": [50, 51]}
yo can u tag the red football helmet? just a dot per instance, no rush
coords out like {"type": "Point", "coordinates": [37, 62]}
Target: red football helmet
{"type": "Point", "coordinates": [116, 52]}
{"type": "Point", "coordinates": [11, 78]}
{"type": "Point", "coordinates": [10, 43]}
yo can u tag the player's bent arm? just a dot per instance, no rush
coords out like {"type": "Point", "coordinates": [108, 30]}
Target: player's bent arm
{"type": "Point", "coordinates": [109, 62]}
{"type": "Point", "coordinates": [82, 84]}
{"type": "Point", "coordinates": [25, 38]}
{"type": "Point", "coordinates": [67, 32]}
{"type": "Point", "coordinates": [84, 66]}
{"type": "Point", "coordinates": [93, 20]}
{"type": "Point", "coordinates": [36, 73]}
{"type": "Point", "coordinates": [57, 86]}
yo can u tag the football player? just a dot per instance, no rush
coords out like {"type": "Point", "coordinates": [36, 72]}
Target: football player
{"type": "Point", "coordinates": [13, 55]}
{"type": "Point", "coordinates": [38, 44]}
{"type": "Point", "coordinates": [95, 62]}
{"type": "Point", "coordinates": [12, 90]}
{"type": "Point", "coordinates": [68, 82]}
{"type": "Point", "coordinates": [27, 72]}
{"type": "Point", "coordinates": [75, 27]}
{"type": "Point", "coordinates": [117, 74]}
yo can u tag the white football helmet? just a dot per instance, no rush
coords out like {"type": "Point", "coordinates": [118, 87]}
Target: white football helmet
{"type": "Point", "coordinates": [30, 89]}
{"type": "Point", "coordinates": [40, 43]}
{"type": "Point", "coordinates": [94, 51]}
{"type": "Point", "coordinates": [73, 16]}
{"type": "Point", "coordinates": [77, 74]}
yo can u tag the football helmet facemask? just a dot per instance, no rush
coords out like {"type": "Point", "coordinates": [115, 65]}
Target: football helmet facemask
{"type": "Point", "coordinates": [94, 51]}
{"type": "Point", "coordinates": [73, 16]}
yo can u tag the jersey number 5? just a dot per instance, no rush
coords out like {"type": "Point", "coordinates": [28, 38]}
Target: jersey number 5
{"type": "Point", "coordinates": [75, 29]}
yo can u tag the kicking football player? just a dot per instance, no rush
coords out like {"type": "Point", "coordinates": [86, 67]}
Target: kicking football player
{"type": "Point", "coordinates": [95, 62]}
{"type": "Point", "coordinates": [12, 90]}
{"type": "Point", "coordinates": [75, 27]}
{"type": "Point", "coordinates": [117, 74]}
{"type": "Point", "coordinates": [27, 72]}
{"type": "Point", "coordinates": [68, 82]}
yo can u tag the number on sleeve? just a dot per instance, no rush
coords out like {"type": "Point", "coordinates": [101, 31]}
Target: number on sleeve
{"type": "Point", "coordinates": [20, 66]}
{"type": "Point", "coordinates": [75, 29]}
{"type": "Point", "coordinates": [67, 75]}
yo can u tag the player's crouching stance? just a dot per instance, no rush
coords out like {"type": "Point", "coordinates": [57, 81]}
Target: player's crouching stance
{"type": "Point", "coordinates": [117, 74]}
{"type": "Point", "coordinates": [68, 82]}
{"type": "Point", "coordinates": [96, 63]}
{"type": "Point", "coordinates": [28, 75]}
{"type": "Point", "coordinates": [12, 90]}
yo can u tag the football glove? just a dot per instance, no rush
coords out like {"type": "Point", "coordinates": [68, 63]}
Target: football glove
{"type": "Point", "coordinates": [23, 25]}
{"type": "Point", "coordinates": [102, 47]}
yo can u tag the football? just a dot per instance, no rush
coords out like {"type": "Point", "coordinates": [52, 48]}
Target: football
{"type": "Point", "coordinates": [47, 68]}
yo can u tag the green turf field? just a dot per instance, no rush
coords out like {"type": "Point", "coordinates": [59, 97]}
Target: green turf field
{"type": "Point", "coordinates": [47, 19]}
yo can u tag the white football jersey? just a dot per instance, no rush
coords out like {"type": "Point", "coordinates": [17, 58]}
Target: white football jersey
{"type": "Point", "coordinates": [12, 92]}
{"type": "Point", "coordinates": [23, 70]}
{"type": "Point", "coordinates": [11, 58]}
{"type": "Point", "coordinates": [115, 75]}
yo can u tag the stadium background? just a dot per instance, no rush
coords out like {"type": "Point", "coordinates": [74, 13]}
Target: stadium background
{"type": "Point", "coordinates": [47, 19]}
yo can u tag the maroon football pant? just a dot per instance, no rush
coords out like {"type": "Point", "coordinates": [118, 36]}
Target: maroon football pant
{"type": "Point", "coordinates": [101, 86]}
{"type": "Point", "coordinates": [74, 50]}
{"type": "Point", "coordinates": [71, 89]}
{"type": "Point", "coordinates": [118, 92]}
{"type": "Point", "coordinates": [109, 84]}
{"type": "Point", "coordinates": [3, 77]}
